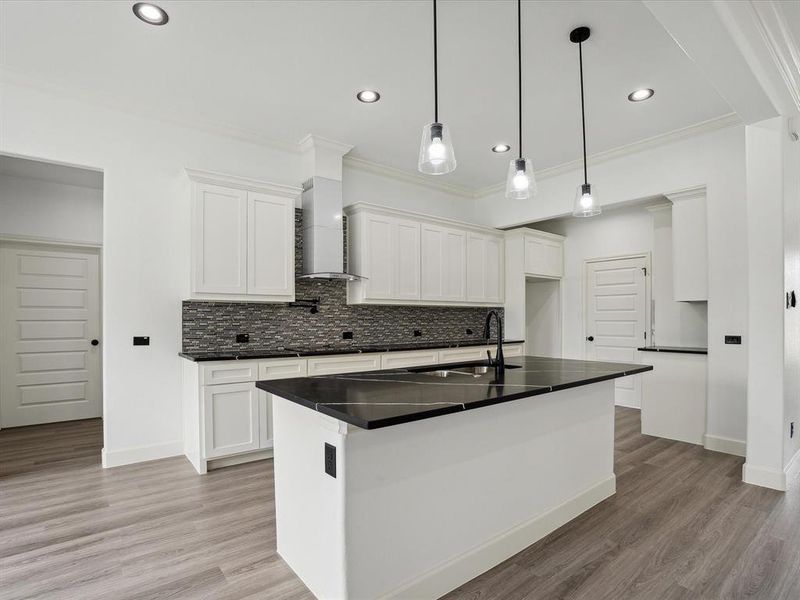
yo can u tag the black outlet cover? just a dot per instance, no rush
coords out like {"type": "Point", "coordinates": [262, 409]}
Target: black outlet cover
{"type": "Point", "coordinates": [330, 460]}
{"type": "Point", "coordinates": [242, 338]}
{"type": "Point", "coordinates": [347, 335]}
{"type": "Point", "coordinates": [469, 331]}
{"type": "Point", "coordinates": [733, 339]}
{"type": "Point", "coordinates": [141, 340]}
{"type": "Point", "coordinates": [417, 333]}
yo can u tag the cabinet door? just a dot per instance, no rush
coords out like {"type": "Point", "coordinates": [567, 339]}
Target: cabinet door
{"type": "Point", "coordinates": [543, 257]}
{"type": "Point", "coordinates": [219, 240]}
{"type": "Point", "coordinates": [270, 245]}
{"type": "Point", "coordinates": [406, 259]}
{"type": "Point", "coordinates": [380, 257]}
{"type": "Point", "coordinates": [494, 265]}
{"type": "Point", "coordinates": [454, 278]}
{"type": "Point", "coordinates": [432, 259]}
{"type": "Point", "coordinates": [476, 267]}
{"type": "Point", "coordinates": [231, 416]}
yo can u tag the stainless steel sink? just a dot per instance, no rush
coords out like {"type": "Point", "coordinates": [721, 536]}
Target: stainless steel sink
{"type": "Point", "coordinates": [459, 370]}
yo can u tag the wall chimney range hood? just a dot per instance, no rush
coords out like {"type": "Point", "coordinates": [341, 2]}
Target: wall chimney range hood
{"type": "Point", "coordinates": [324, 243]}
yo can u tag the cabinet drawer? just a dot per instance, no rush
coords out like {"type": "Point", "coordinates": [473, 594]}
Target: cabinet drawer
{"type": "Point", "coordinates": [282, 368]}
{"type": "Point", "coordinates": [510, 350]}
{"type": "Point", "coordinates": [401, 360]}
{"type": "Point", "coordinates": [229, 372]}
{"type": "Point", "coordinates": [462, 354]}
{"type": "Point", "coordinates": [352, 363]}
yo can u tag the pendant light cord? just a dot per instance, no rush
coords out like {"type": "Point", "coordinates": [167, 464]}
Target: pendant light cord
{"type": "Point", "coordinates": [583, 114]}
{"type": "Point", "coordinates": [519, 72]}
{"type": "Point", "coordinates": [435, 68]}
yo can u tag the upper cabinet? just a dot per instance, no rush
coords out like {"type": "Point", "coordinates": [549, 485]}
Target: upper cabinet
{"type": "Point", "coordinates": [689, 245]}
{"type": "Point", "coordinates": [242, 238]}
{"type": "Point", "coordinates": [415, 259]}
{"type": "Point", "coordinates": [544, 254]}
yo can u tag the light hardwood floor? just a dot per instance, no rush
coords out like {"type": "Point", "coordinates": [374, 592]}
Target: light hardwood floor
{"type": "Point", "coordinates": [682, 525]}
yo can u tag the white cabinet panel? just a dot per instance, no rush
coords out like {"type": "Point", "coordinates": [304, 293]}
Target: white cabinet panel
{"type": "Point", "coordinates": [231, 415]}
{"type": "Point", "coordinates": [454, 286]}
{"type": "Point", "coordinates": [380, 261]}
{"type": "Point", "coordinates": [406, 254]}
{"type": "Point", "coordinates": [350, 363]}
{"type": "Point", "coordinates": [452, 355]}
{"type": "Point", "coordinates": [689, 246]}
{"type": "Point", "coordinates": [509, 350]}
{"type": "Point", "coordinates": [264, 419]}
{"type": "Point", "coordinates": [476, 266]}
{"type": "Point", "coordinates": [543, 257]}
{"type": "Point", "coordinates": [270, 245]}
{"type": "Point", "coordinates": [282, 368]}
{"type": "Point", "coordinates": [416, 358]}
{"type": "Point", "coordinates": [494, 272]}
{"type": "Point", "coordinates": [433, 262]}
{"type": "Point", "coordinates": [228, 372]}
{"type": "Point", "coordinates": [220, 240]}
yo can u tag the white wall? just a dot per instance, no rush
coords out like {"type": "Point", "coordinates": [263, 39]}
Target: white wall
{"type": "Point", "coordinates": [46, 209]}
{"type": "Point", "coordinates": [543, 329]}
{"type": "Point", "coordinates": [146, 239]}
{"type": "Point", "coordinates": [715, 159]}
{"type": "Point", "coordinates": [791, 222]}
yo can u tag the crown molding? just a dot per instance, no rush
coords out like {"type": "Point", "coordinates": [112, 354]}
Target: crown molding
{"type": "Point", "coordinates": [721, 122]}
{"type": "Point", "coordinates": [369, 166]}
{"type": "Point", "coordinates": [783, 49]}
{"type": "Point", "coordinates": [690, 193]}
{"type": "Point", "coordinates": [311, 140]}
{"type": "Point", "coordinates": [243, 183]}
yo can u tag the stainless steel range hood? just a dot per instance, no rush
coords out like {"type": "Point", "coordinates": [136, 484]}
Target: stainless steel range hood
{"type": "Point", "coordinates": [324, 243]}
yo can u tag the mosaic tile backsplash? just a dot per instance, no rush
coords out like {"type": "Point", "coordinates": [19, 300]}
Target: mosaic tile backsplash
{"type": "Point", "coordinates": [213, 325]}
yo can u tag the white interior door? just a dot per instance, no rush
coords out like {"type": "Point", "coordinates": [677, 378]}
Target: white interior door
{"type": "Point", "coordinates": [616, 313]}
{"type": "Point", "coordinates": [49, 315]}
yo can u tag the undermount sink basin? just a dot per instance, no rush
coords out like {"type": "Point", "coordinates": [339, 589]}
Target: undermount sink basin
{"type": "Point", "coordinates": [462, 370]}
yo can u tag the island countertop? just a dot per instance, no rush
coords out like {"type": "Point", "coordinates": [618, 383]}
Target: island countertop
{"type": "Point", "coordinates": [376, 399]}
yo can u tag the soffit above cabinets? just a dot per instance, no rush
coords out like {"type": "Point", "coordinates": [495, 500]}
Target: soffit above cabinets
{"type": "Point", "coordinates": [277, 70]}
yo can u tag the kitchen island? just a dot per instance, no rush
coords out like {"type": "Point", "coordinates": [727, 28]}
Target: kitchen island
{"type": "Point", "coordinates": [407, 483]}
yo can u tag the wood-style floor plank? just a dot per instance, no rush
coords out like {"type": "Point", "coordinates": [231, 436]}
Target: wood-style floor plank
{"type": "Point", "coordinates": [681, 526]}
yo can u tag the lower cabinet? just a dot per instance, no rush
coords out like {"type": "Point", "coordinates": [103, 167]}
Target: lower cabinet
{"type": "Point", "coordinates": [227, 420]}
{"type": "Point", "coordinates": [235, 419]}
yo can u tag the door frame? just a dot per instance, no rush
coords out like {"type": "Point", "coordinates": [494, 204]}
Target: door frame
{"type": "Point", "coordinates": [53, 244]}
{"type": "Point", "coordinates": [648, 290]}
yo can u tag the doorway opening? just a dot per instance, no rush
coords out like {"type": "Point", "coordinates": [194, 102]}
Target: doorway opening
{"type": "Point", "coordinates": [51, 235]}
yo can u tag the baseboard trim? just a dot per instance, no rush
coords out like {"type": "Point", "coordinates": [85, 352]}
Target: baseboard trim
{"type": "Point", "coordinates": [137, 454]}
{"type": "Point", "coordinates": [764, 477]}
{"type": "Point", "coordinates": [718, 443]}
{"type": "Point", "coordinates": [449, 575]}
{"type": "Point", "coordinates": [238, 459]}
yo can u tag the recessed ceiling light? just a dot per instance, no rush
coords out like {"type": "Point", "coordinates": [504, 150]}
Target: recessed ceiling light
{"type": "Point", "coordinates": [639, 95]}
{"type": "Point", "coordinates": [150, 13]}
{"type": "Point", "coordinates": [368, 96]}
{"type": "Point", "coordinates": [500, 148]}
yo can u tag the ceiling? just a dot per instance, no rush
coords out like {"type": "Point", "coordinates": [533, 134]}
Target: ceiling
{"type": "Point", "coordinates": [33, 169]}
{"type": "Point", "coordinates": [283, 69]}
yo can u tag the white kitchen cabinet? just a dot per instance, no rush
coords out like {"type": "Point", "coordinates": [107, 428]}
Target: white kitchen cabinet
{"type": "Point", "coordinates": [484, 268]}
{"type": "Point", "coordinates": [544, 255]}
{"type": "Point", "coordinates": [408, 258]}
{"type": "Point", "coordinates": [242, 239]}
{"type": "Point", "coordinates": [443, 267]}
{"type": "Point", "coordinates": [231, 419]}
{"type": "Point", "coordinates": [345, 363]}
{"type": "Point", "coordinates": [689, 245]}
{"type": "Point", "coordinates": [414, 358]}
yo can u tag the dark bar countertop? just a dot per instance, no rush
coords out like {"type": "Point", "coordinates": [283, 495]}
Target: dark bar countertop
{"type": "Point", "coordinates": [334, 349]}
{"type": "Point", "coordinates": [674, 349]}
{"type": "Point", "coordinates": [378, 399]}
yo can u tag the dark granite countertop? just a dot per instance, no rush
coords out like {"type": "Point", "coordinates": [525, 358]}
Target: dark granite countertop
{"type": "Point", "coordinates": [334, 349]}
{"type": "Point", "coordinates": [675, 349]}
{"type": "Point", "coordinates": [382, 398]}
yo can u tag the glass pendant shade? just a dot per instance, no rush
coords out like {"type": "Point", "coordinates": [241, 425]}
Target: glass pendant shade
{"type": "Point", "coordinates": [520, 182]}
{"type": "Point", "coordinates": [436, 156]}
{"type": "Point", "coordinates": [586, 204]}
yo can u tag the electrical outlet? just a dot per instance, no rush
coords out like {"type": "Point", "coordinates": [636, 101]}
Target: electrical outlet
{"type": "Point", "coordinates": [330, 460]}
{"type": "Point", "coordinates": [347, 335]}
{"type": "Point", "coordinates": [141, 340]}
{"type": "Point", "coordinates": [469, 331]}
{"type": "Point", "coordinates": [242, 338]}
{"type": "Point", "coordinates": [733, 339]}
{"type": "Point", "coordinates": [417, 333]}
{"type": "Point", "coordinates": [791, 429]}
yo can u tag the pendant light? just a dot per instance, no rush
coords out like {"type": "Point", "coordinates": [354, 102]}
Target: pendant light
{"type": "Point", "coordinates": [586, 204]}
{"type": "Point", "coordinates": [436, 156]}
{"type": "Point", "coordinates": [520, 182]}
